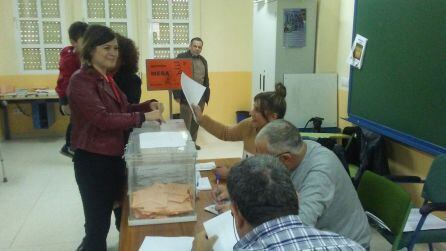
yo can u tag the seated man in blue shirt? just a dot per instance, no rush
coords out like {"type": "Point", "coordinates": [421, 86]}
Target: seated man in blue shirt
{"type": "Point", "coordinates": [327, 199]}
{"type": "Point", "coordinates": [265, 208]}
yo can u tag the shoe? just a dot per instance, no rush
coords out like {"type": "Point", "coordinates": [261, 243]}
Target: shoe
{"type": "Point", "coordinates": [66, 151]}
{"type": "Point", "coordinates": [197, 147]}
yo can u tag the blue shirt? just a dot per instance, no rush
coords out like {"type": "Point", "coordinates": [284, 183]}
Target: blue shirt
{"type": "Point", "coordinates": [289, 233]}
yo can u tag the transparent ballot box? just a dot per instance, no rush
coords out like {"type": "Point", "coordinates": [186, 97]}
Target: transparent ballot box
{"type": "Point", "coordinates": [161, 174]}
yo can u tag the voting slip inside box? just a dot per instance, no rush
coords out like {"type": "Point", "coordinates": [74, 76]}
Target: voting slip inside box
{"type": "Point", "coordinates": [161, 174]}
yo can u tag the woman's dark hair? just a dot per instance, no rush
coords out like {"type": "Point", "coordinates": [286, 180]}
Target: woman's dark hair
{"type": "Point", "coordinates": [94, 36]}
{"type": "Point", "coordinates": [272, 102]}
{"type": "Point", "coordinates": [128, 55]}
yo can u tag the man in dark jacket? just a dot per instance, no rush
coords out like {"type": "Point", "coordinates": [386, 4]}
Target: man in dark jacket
{"type": "Point", "coordinates": [200, 75]}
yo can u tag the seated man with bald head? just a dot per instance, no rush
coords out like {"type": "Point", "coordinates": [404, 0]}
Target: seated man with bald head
{"type": "Point", "coordinates": [265, 209]}
{"type": "Point", "coordinates": [327, 198]}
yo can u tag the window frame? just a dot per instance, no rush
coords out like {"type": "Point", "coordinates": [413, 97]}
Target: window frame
{"type": "Point", "coordinates": [107, 18]}
{"type": "Point", "coordinates": [170, 21]}
{"type": "Point", "coordinates": [41, 45]}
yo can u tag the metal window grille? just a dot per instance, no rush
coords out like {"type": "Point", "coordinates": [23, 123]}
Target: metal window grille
{"type": "Point", "coordinates": [39, 34]}
{"type": "Point", "coordinates": [111, 13]}
{"type": "Point", "coordinates": [170, 27]}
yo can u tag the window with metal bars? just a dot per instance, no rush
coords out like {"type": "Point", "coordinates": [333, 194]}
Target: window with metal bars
{"type": "Point", "coordinates": [39, 34]}
{"type": "Point", "coordinates": [169, 27]}
{"type": "Point", "coordinates": [111, 13]}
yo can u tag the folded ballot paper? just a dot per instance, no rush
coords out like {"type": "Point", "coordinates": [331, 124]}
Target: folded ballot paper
{"type": "Point", "coordinates": [161, 200]}
{"type": "Point", "coordinates": [222, 226]}
{"type": "Point", "coordinates": [167, 243]}
{"type": "Point", "coordinates": [205, 166]}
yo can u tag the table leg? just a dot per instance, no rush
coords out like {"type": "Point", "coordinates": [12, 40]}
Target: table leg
{"type": "Point", "coordinates": [6, 132]}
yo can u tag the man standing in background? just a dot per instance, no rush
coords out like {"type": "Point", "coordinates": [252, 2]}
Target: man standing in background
{"type": "Point", "coordinates": [200, 75]}
{"type": "Point", "coordinates": [69, 62]}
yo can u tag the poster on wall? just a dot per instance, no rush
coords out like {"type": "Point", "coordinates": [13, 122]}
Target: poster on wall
{"type": "Point", "coordinates": [355, 58]}
{"type": "Point", "coordinates": [294, 28]}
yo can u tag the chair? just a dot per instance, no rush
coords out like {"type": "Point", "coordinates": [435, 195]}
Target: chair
{"type": "Point", "coordinates": [365, 150]}
{"type": "Point", "coordinates": [434, 194]}
{"type": "Point", "coordinates": [387, 205]}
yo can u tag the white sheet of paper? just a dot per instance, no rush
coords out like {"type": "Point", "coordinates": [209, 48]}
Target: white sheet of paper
{"type": "Point", "coordinates": [162, 139]}
{"type": "Point", "coordinates": [205, 166]}
{"type": "Point", "coordinates": [167, 243]}
{"type": "Point", "coordinates": [204, 184]}
{"type": "Point", "coordinates": [222, 226]}
{"type": "Point", "coordinates": [432, 221]}
{"type": "Point", "coordinates": [192, 90]}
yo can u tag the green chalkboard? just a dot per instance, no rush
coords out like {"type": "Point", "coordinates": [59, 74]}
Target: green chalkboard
{"type": "Point", "coordinates": [400, 90]}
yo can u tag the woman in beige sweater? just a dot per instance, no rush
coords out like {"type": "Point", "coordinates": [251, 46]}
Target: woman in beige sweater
{"type": "Point", "coordinates": [267, 107]}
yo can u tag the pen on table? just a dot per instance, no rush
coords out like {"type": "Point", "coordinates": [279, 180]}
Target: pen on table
{"type": "Point", "coordinates": [217, 191]}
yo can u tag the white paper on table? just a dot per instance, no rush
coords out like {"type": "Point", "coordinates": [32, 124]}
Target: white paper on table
{"type": "Point", "coordinates": [197, 176]}
{"type": "Point", "coordinates": [192, 90]}
{"type": "Point", "coordinates": [162, 139]}
{"type": "Point", "coordinates": [355, 58]}
{"type": "Point", "coordinates": [222, 226]}
{"type": "Point", "coordinates": [204, 184]}
{"type": "Point", "coordinates": [432, 221]}
{"type": "Point", "coordinates": [205, 166]}
{"type": "Point", "coordinates": [183, 243]}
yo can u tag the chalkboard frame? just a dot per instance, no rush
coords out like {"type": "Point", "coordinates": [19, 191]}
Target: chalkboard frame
{"type": "Point", "coordinates": [394, 134]}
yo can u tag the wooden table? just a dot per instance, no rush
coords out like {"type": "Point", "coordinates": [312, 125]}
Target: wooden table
{"type": "Point", "coordinates": [131, 237]}
{"type": "Point", "coordinates": [29, 98]}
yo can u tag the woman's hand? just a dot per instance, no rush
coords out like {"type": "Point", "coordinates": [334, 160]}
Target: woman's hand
{"type": "Point", "coordinates": [197, 111]}
{"type": "Point", "coordinates": [155, 115]}
{"type": "Point", "coordinates": [157, 106]}
{"type": "Point", "coordinates": [65, 110]}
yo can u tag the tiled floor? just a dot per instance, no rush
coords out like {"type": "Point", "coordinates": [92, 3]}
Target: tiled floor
{"type": "Point", "coordinates": [40, 206]}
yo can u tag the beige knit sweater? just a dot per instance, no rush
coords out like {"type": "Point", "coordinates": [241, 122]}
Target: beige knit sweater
{"type": "Point", "coordinates": [242, 131]}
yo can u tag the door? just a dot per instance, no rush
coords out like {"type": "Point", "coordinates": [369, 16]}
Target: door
{"type": "Point", "coordinates": [264, 46]}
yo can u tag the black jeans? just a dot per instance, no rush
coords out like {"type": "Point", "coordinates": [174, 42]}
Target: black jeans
{"type": "Point", "coordinates": [68, 136]}
{"type": "Point", "coordinates": [101, 182]}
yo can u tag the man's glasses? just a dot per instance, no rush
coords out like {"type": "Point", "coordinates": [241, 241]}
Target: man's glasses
{"type": "Point", "coordinates": [280, 154]}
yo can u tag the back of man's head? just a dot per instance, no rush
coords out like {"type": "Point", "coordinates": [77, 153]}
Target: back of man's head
{"type": "Point", "coordinates": [261, 189]}
{"type": "Point", "coordinates": [280, 136]}
{"type": "Point", "coordinates": [77, 30]}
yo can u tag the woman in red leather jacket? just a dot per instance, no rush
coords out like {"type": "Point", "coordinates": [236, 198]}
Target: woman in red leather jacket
{"type": "Point", "coordinates": [101, 115]}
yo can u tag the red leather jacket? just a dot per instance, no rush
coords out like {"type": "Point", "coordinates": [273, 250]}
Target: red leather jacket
{"type": "Point", "coordinates": [99, 119]}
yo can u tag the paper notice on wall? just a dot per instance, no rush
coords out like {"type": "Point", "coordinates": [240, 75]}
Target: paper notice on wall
{"type": "Point", "coordinates": [357, 52]}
